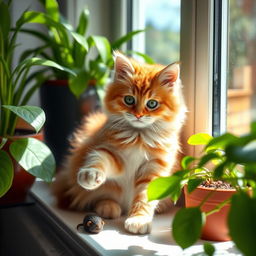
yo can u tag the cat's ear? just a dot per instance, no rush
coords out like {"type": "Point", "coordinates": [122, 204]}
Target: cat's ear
{"type": "Point", "coordinates": [169, 75]}
{"type": "Point", "coordinates": [123, 67]}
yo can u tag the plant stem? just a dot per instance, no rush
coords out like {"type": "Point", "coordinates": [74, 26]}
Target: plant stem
{"type": "Point", "coordinates": [218, 207]}
{"type": "Point", "coordinates": [206, 198]}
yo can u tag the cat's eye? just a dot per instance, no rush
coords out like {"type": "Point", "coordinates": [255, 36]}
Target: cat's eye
{"type": "Point", "coordinates": [152, 104]}
{"type": "Point", "coordinates": [129, 100]}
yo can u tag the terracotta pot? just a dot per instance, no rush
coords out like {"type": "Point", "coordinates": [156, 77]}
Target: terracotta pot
{"type": "Point", "coordinates": [215, 228]}
{"type": "Point", "coordinates": [22, 180]}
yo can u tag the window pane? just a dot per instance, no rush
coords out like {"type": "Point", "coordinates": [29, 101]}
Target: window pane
{"type": "Point", "coordinates": [162, 30]}
{"type": "Point", "coordinates": [242, 66]}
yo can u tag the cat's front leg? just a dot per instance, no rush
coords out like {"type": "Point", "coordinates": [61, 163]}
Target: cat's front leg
{"type": "Point", "coordinates": [99, 165]}
{"type": "Point", "coordinates": [140, 217]}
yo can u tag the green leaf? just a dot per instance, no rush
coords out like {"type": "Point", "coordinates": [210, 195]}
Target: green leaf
{"type": "Point", "coordinates": [6, 172]}
{"type": "Point", "coordinates": [81, 40]}
{"type": "Point", "coordinates": [206, 158]}
{"type": "Point", "coordinates": [5, 20]}
{"type": "Point", "coordinates": [242, 154]}
{"type": "Point", "coordinates": [3, 141]}
{"type": "Point", "coordinates": [193, 184]}
{"type": "Point", "coordinates": [163, 187]}
{"type": "Point", "coordinates": [250, 171]}
{"type": "Point", "coordinates": [103, 46]}
{"type": "Point", "coordinates": [253, 128]}
{"type": "Point", "coordinates": [146, 58]}
{"type": "Point", "coordinates": [209, 249]}
{"type": "Point", "coordinates": [52, 9]}
{"type": "Point", "coordinates": [221, 142]}
{"type": "Point", "coordinates": [118, 43]}
{"type": "Point", "coordinates": [79, 83]}
{"type": "Point", "coordinates": [199, 139]}
{"type": "Point", "coordinates": [35, 157]}
{"type": "Point", "coordinates": [42, 62]}
{"type": "Point", "coordinates": [33, 115]}
{"type": "Point", "coordinates": [187, 226]}
{"type": "Point", "coordinates": [242, 223]}
{"type": "Point", "coordinates": [219, 170]}
{"type": "Point", "coordinates": [83, 22]}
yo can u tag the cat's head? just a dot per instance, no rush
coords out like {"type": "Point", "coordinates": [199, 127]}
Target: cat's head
{"type": "Point", "coordinates": [143, 94]}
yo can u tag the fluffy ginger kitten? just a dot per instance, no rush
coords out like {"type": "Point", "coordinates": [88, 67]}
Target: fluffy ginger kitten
{"type": "Point", "coordinates": [116, 154]}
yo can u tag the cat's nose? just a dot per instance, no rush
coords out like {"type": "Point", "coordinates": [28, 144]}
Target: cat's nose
{"type": "Point", "coordinates": [138, 116]}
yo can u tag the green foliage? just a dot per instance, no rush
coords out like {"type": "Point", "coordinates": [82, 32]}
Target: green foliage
{"type": "Point", "coordinates": [163, 187]}
{"type": "Point", "coordinates": [228, 158]}
{"type": "Point", "coordinates": [6, 172]}
{"type": "Point", "coordinates": [199, 139]}
{"type": "Point", "coordinates": [31, 154]}
{"type": "Point", "coordinates": [187, 226]}
{"type": "Point", "coordinates": [242, 224]}
{"type": "Point", "coordinates": [71, 48]}
{"type": "Point", "coordinates": [209, 249]}
{"type": "Point", "coordinates": [33, 115]}
{"type": "Point", "coordinates": [34, 156]}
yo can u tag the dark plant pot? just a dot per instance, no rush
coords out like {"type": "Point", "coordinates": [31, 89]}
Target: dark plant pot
{"type": "Point", "coordinates": [22, 180]}
{"type": "Point", "coordinates": [215, 228]}
{"type": "Point", "coordinates": [63, 114]}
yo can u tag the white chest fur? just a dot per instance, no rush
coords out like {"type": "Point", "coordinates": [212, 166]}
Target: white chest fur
{"type": "Point", "coordinates": [134, 158]}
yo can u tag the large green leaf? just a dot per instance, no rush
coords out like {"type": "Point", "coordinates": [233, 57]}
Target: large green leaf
{"type": "Point", "coordinates": [83, 22]}
{"type": "Point", "coordinates": [193, 184]}
{"type": "Point", "coordinates": [52, 9]}
{"type": "Point", "coordinates": [187, 226]}
{"type": "Point", "coordinates": [242, 223]}
{"type": "Point", "coordinates": [163, 187]}
{"type": "Point", "coordinates": [79, 83]}
{"type": "Point", "coordinates": [42, 62]}
{"type": "Point", "coordinates": [221, 142]}
{"type": "Point", "coordinates": [35, 157]}
{"type": "Point", "coordinates": [186, 161]}
{"type": "Point", "coordinates": [118, 43]}
{"type": "Point", "coordinates": [199, 139]}
{"type": "Point", "coordinates": [81, 40]}
{"type": "Point", "coordinates": [242, 154]}
{"type": "Point", "coordinates": [5, 20]}
{"type": "Point", "coordinates": [6, 172]}
{"type": "Point", "coordinates": [145, 57]}
{"type": "Point", "coordinates": [33, 115]}
{"type": "Point", "coordinates": [208, 157]}
{"type": "Point", "coordinates": [103, 46]}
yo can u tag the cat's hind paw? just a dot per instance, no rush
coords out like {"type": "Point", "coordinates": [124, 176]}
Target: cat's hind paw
{"type": "Point", "coordinates": [90, 178]}
{"type": "Point", "coordinates": [138, 224]}
{"type": "Point", "coordinates": [108, 209]}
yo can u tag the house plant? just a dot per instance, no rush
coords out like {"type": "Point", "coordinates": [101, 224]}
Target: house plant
{"type": "Point", "coordinates": [90, 57]}
{"type": "Point", "coordinates": [19, 151]}
{"type": "Point", "coordinates": [232, 160]}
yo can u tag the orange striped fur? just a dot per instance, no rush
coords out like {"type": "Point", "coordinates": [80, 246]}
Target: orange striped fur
{"type": "Point", "coordinates": [117, 153]}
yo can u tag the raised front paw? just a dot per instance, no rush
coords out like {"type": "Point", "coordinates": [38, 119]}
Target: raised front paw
{"type": "Point", "coordinates": [90, 178]}
{"type": "Point", "coordinates": [138, 224]}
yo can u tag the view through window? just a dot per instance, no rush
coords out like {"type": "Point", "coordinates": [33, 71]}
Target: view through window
{"type": "Point", "coordinates": [241, 103]}
{"type": "Point", "coordinates": [162, 20]}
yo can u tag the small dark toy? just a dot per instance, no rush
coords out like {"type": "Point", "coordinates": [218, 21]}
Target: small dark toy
{"type": "Point", "coordinates": [92, 224]}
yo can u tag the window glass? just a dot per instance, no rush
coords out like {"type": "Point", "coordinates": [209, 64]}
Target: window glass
{"type": "Point", "coordinates": [241, 103]}
{"type": "Point", "coordinates": [162, 20]}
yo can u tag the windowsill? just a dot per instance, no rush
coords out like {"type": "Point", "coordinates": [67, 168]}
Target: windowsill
{"type": "Point", "coordinates": [113, 240]}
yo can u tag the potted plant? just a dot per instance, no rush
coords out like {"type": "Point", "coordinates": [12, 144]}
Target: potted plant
{"type": "Point", "coordinates": [71, 48]}
{"type": "Point", "coordinates": [19, 151]}
{"type": "Point", "coordinates": [228, 160]}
